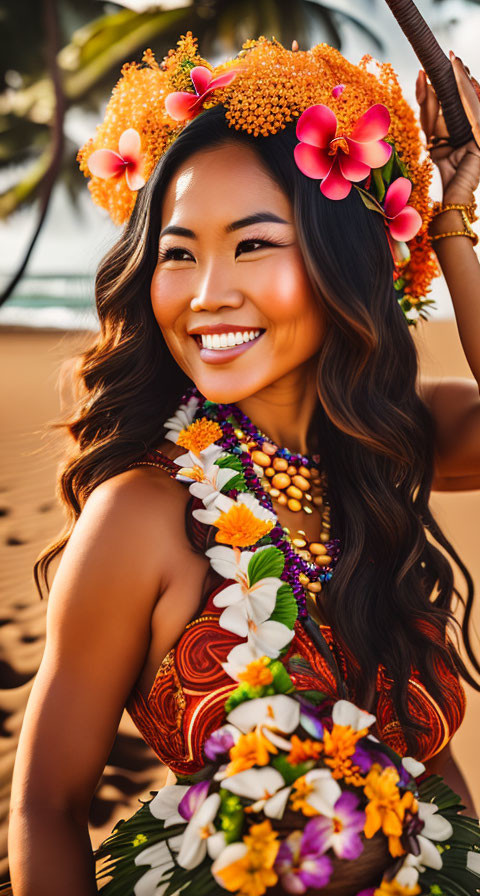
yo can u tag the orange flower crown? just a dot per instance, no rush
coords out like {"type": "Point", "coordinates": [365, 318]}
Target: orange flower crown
{"type": "Point", "coordinates": [263, 89]}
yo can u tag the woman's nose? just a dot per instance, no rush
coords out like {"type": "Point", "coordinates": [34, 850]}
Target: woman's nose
{"type": "Point", "coordinates": [216, 291]}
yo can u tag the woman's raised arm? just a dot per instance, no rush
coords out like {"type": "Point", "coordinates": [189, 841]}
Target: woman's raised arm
{"type": "Point", "coordinates": [98, 631]}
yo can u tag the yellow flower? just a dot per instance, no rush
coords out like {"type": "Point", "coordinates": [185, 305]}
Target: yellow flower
{"type": "Point", "coordinates": [196, 473]}
{"type": "Point", "coordinates": [239, 527]}
{"type": "Point", "coordinates": [302, 789]}
{"type": "Point", "coordinates": [339, 747]}
{"type": "Point", "coordinates": [257, 673]}
{"type": "Point", "coordinates": [386, 807]}
{"type": "Point", "coordinates": [251, 749]}
{"type": "Point", "coordinates": [253, 873]}
{"type": "Point", "coordinates": [199, 435]}
{"type": "Point", "coordinates": [301, 750]}
{"type": "Point", "coordinates": [392, 888]}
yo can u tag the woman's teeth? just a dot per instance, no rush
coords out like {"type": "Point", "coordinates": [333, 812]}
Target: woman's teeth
{"type": "Point", "coordinates": [227, 340]}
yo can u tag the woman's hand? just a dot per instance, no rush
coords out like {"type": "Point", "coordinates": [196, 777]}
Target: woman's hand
{"type": "Point", "coordinates": [459, 168]}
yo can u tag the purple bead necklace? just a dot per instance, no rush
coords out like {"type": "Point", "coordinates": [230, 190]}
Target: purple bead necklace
{"type": "Point", "coordinates": [298, 572]}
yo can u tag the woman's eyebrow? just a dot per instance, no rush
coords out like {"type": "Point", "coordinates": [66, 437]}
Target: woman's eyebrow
{"type": "Point", "coordinates": [256, 218]}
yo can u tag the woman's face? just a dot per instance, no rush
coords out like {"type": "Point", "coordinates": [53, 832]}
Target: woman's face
{"type": "Point", "coordinates": [230, 291]}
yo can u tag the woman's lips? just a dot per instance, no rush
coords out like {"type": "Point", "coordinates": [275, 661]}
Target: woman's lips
{"type": "Point", "coordinates": [223, 355]}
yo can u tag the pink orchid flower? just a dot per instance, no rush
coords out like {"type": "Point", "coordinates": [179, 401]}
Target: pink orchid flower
{"type": "Point", "coordinates": [182, 105]}
{"type": "Point", "coordinates": [335, 159]}
{"type": "Point", "coordinates": [107, 163]}
{"type": "Point", "coordinates": [403, 221]}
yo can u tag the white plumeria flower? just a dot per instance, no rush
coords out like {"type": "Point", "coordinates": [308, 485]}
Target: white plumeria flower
{"type": "Point", "coordinates": [407, 876]}
{"type": "Point", "coordinates": [270, 716]}
{"type": "Point", "coordinates": [413, 766]}
{"type": "Point", "coordinates": [219, 504]}
{"type": "Point", "coordinates": [473, 861]}
{"type": "Point", "coordinates": [164, 805]}
{"type": "Point", "coordinates": [206, 478]}
{"type": "Point", "coordinates": [268, 639]}
{"type": "Point", "coordinates": [159, 857]}
{"type": "Point", "coordinates": [244, 602]}
{"type": "Point", "coordinates": [224, 504]}
{"type": "Point", "coordinates": [232, 853]}
{"type": "Point", "coordinates": [181, 419]}
{"type": "Point", "coordinates": [324, 791]}
{"type": "Point", "coordinates": [347, 714]}
{"type": "Point", "coordinates": [198, 833]}
{"type": "Point", "coordinates": [256, 508]}
{"type": "Point", "coordinates": [232, 563]}
{"type": "Point", "coordinates": [265, 786]}
{"type": "Point", "coordinates": [436, 828]}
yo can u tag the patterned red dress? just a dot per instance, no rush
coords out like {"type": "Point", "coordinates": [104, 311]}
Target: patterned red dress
{"type": "Point", "coordinates": [186, 700]}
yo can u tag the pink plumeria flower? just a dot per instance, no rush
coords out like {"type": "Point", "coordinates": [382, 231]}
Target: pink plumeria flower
{"type": "Point", "coordinates": [335, 159]}
{"type": "Point", "coordinates": [403, 221]}
{"type": "Point", "coordinates": [107, 163]}
{"type": "Point", "coordinates": [182, 105]}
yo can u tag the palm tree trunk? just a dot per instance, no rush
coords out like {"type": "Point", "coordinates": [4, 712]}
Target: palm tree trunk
{"type": "Point", "coordinates": [48, 181]}
{"type": "Point", "coordinates": [437, 67]}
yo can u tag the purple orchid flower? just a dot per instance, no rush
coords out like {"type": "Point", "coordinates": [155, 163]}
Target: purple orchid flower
{"type": "Point", "coordinates": [340, 831]}
{"type": "Point", "coordinates": [219, 742]}
{"type": "Point", "coordinates": [365, 756]}
{"type": "Point", "coordinates": [193, 799]}
{"type": "Point", "coordinates": [369, 892]}
{"type": "Point", "coordinates": [300, 862]}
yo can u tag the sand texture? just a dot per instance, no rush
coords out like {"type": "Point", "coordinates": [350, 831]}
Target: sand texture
{"type": "Point", "coordinates": [30, 516]}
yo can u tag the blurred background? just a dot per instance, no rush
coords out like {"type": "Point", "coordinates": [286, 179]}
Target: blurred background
{"type": "Point", "coordinates": [59, 60]}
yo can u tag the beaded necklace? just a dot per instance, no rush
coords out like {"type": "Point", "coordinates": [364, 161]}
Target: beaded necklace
{"type": "Point", "coordinates": [307, 566]}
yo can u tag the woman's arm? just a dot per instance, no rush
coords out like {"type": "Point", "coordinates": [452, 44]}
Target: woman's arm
{"type": "Point", "coordinates": [455, 403]}
{"type": "Point", "coordinates": [98, 631]}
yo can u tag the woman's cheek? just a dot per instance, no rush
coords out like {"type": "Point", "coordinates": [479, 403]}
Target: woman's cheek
{"type": "Point", "coordinates": [165, 298]}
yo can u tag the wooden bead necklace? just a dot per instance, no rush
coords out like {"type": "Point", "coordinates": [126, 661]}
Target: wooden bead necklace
{"type": "Point", "coordinates": [288, 481]}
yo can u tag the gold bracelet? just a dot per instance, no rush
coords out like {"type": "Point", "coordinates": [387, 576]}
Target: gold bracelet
{"type": "Point", "coordinates": [440, 236]}
{"type": "Point", "coordinates": [469, 210]}
{"type": "Point", "coordinates": [468, 215]}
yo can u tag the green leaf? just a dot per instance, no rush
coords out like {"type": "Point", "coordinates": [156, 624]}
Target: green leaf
{"type": "Point", "coordinates": [388, 167]}
{"type": "Point", "coordinates": [269, 562]}
{"type": "Point", "coordinates": [231, 815]}
{"type": "Point", "coordinates": [290, 772]}
{"type": "Point", "coordinates": [286, 609]}
{"type": "Point", "coordinates": [379, 185]}
{"type": "Point", "coordinates": [282, 682]}
{"type": "Point", "coordinates": [237, 482]}
{"type": "Point", "coordinates": [314, 697]}
{"type": "Point", "coordinates": [369, 200]}
{"type": "Point", "coordinates": [232, 461]}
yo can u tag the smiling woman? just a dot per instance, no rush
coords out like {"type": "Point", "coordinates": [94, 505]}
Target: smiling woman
{"type": "Point", "coordinates": [253, 347]}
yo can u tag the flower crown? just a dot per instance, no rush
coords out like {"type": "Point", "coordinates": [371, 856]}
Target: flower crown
{"type": "Point", "coordinates": [355, 129]}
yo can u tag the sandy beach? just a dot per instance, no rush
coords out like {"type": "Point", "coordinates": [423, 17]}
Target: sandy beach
{"type": "Point", "coordinates": [30, 515]}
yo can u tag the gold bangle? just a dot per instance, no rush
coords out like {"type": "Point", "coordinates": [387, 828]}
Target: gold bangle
{"type": "Point", "coordinates": [469, 210]}
{"type": "Point", "coordinates": [472, 236]}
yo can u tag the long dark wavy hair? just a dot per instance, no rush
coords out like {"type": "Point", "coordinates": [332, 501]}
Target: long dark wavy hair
{"type": "Point", "coordinates": [390, 600]}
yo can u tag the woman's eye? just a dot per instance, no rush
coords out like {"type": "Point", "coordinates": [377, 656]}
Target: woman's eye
{"type": "Point", "coordinates": [174, 254]}
{"type": "Point", "coordinates": [251, 245]}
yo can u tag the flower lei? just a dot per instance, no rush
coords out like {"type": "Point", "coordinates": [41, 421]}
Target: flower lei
{"type": "Point", "coordinates": [282, 756]}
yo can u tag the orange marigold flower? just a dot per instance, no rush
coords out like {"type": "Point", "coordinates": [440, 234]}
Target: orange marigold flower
{"type": "Point", "coordinates": [301, 750]}
{"type": "Point", "coordinates": [199, 435]}
{"type": "Point", "coordinates": [239, 527]}
{"type": "Point", "coordinates": [339, 747]}
{"type": "Point", "coordinates": [386, 807]}
{"type": "Point", "coordinates": [253, 873]}
{"type": "Point", "coordinates": [250, 749]}
{"type": "Point", "coordinates": [392, 888]}
{"type": "Point", "coordinates": [257, 673]}
{"type": "Point", "coordinates": [298, 798]}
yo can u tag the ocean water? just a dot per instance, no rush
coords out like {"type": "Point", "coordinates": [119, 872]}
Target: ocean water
{"type": "Point", "coordinates": [61, 302]}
